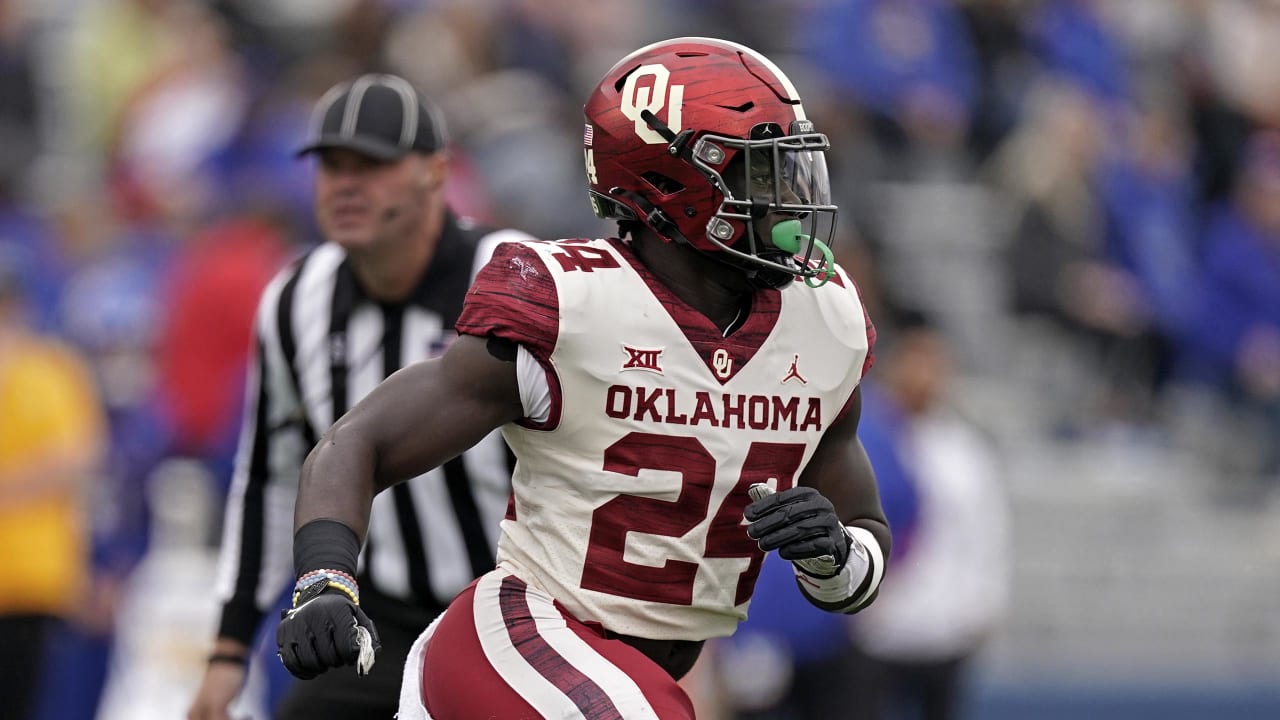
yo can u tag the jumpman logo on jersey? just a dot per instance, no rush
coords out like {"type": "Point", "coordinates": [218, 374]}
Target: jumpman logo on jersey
{"type": "Point", "coordinates": [794, 372]}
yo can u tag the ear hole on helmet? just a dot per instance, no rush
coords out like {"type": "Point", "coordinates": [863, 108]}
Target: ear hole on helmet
{"type": "Point", "coordinates": [662, 183]}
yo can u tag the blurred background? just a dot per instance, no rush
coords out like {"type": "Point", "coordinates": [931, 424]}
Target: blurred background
{"type": "Point", "coordinates": [1064, 216]}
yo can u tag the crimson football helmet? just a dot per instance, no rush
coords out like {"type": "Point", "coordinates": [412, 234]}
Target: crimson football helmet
{"type": "Point", "coordinates": [705, 142]}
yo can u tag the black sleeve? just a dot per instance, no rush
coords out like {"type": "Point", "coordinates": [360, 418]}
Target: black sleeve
{"type": "Point", "coordinates": [255, 563]}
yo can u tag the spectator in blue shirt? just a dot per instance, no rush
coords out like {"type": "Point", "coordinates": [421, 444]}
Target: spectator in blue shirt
{"type": "Point", "coordinates": [1238, 327]}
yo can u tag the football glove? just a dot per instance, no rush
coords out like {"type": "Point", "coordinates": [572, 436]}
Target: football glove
{"type": "Point", "coordinates": [323, 630]}
{"type": "Point", "coordinates": [802, 526]}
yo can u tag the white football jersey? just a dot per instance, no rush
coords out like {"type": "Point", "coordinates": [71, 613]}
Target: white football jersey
{"type": "Point", "coordinates": [646, 427]}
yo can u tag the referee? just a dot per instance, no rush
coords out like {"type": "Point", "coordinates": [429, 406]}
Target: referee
{"type": "Point", "coordinates": [383, 291]}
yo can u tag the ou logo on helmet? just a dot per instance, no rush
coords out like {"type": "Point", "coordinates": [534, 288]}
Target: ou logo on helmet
{"type": "Point", "coordinates": [653, 97]}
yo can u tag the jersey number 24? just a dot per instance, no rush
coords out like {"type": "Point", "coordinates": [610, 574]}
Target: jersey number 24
{"type": "Point", "coordinates": [607, 571]}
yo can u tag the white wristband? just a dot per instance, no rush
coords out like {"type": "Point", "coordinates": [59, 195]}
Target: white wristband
{"type": "Point", "coordinates": [865, 557]}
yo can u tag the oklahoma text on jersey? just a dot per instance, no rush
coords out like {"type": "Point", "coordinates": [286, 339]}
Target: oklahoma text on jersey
{"type": "Point", "coordinates": [730, 410]}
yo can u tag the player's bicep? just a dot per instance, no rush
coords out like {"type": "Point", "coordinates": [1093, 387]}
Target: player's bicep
{"type": "Point", "coordinates": [429, 412]}
{"type": "Point", "coordinates": [841, 471]}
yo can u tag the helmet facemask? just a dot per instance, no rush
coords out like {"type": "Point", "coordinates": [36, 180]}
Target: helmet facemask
{"type": "Point", "coordinates": [775, 187]}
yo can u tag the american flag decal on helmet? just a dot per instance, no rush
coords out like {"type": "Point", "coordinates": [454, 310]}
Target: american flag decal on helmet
{"type": "Point", "coordinates": [587, 133]}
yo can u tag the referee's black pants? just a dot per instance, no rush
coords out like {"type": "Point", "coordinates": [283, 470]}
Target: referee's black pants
{"type": "Point", "coordinates": [340, 694]}
{"type": "Point", "coordinates": [21, 663]}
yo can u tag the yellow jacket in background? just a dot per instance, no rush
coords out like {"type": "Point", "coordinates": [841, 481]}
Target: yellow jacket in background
{"type": "Point", "coordinates": [51, 428]}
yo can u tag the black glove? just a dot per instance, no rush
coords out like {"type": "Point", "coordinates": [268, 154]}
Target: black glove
{"type": "Point", "coordinates": [803, 527]}
{"type": "Point", "coordinates": [325, 630]}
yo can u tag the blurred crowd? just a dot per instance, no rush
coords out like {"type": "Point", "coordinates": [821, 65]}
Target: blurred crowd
{"type": "Point", "coordinates": [1081, 197]}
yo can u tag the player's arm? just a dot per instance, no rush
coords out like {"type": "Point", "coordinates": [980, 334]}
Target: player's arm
{"type": "Point", "coordinates": [418, 418]}
{"type": "Point", "coordinates": [415, 420]}
{"type": "Point", "coordinates": [831, 526]}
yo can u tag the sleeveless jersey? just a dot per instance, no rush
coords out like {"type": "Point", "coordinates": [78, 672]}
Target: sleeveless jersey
{"type": "Point", "coordinates": [628, 496]}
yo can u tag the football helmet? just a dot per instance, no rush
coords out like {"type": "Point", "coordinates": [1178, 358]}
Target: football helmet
{"type": "Point", "coordinates": [705, 142]}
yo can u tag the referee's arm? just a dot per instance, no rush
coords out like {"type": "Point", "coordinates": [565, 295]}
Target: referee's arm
{"type": "Point", "coordinates": [255, 563]}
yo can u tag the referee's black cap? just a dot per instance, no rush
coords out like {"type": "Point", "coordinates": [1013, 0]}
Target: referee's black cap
{"type": "Point", "coordinates": [378, 115]}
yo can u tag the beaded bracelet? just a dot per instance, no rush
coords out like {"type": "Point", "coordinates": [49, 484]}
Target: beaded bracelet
{"type": "Point", "coordinates": [330, 578]}
{"type": "Point", "coordinates": [327, 574]}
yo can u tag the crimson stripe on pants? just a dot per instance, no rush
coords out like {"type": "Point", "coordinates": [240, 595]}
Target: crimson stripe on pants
{"type": "Point", "coordinates": [590, 699]}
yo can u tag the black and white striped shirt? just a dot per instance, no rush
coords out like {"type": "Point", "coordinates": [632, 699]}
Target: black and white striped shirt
{"type": "Point", "coordinates": [321, 345]}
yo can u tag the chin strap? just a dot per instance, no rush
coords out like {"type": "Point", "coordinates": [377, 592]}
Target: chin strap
{"type": "Point", "coordinates": [653, 217]}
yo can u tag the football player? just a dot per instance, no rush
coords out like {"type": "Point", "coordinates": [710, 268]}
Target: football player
{"type": "Point", "coordinates": [681, 399]}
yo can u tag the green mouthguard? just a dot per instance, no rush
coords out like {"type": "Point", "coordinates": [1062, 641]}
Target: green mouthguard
{"type": "Point", "coordinates": [787, 236]}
